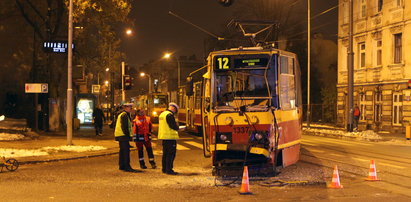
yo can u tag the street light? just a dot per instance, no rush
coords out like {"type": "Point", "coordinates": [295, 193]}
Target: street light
{"type": "Point", "coordinates": [142, 74]}
{"type": "Point", "coordinates": [168, 56]}
{"type": "Point", "coordinates": [129, 32]}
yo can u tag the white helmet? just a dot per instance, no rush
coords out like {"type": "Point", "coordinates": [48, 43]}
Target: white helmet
{"type": "Point", "coordinates": [174, 105]}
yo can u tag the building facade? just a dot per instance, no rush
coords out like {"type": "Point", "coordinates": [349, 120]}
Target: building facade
{"type": "Point", "coordinates": [382, 63]}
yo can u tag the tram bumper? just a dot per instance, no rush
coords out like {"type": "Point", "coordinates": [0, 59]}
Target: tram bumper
{"type": "Point", "coordinates": [243, 148]}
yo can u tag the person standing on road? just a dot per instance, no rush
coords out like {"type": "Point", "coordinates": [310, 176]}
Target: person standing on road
{"type": "Point", "coordinates": [168, 132]}
{"type": "Point", "coordinates": [357, 114]}
{"type": "Point", "coordinates": [98, 119]}
{"type": "Point", "coordinates": [142, 130]}
{"type": "Point", "coordinates": [123, 134]}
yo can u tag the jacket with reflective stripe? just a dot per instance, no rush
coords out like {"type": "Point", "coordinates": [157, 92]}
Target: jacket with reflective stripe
{"type": "Point", "coordinates": [119, 131]}
{"type": "Point", "coordinates": [164, 130]}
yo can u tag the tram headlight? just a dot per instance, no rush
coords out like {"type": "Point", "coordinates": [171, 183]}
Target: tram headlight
{"type": "Point", "coordinates": [258, 136]}
{"type": "Point", "coordinates": [223, 138]}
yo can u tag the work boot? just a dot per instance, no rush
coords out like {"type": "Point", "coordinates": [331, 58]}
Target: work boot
{"type": "Point", "coordinates": [153, 165]}
{"type": "Point", "coordinates": [143, 165]}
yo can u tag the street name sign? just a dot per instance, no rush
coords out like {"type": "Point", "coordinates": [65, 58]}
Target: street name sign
{"type": "Point", "coordinates": [36, 88]}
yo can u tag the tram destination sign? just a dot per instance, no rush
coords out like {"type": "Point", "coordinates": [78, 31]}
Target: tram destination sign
{"type": "Point", "coordinates": [226, 62]}
{"type": "Point", "coordinates": [56, 46]}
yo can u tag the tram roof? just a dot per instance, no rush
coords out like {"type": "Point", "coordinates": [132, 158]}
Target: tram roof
{"type": "Point", "coordinates": [248, 50]}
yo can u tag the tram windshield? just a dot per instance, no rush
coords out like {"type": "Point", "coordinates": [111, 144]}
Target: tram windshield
{"type": "Point", "coordinates": [248, 82]}
{"type": "Point", "coordinates": [160, 100]}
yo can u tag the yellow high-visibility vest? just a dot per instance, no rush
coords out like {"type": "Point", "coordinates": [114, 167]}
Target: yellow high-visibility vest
{"type": "Point", "coordinates": [118, 131]}
{"type": "Point", "coordinates": [164, 131]}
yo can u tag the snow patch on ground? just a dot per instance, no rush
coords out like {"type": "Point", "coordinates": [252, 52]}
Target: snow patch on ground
{"type": "Point", "coordinates": [398, 142]}
{"type": "Point", "coordinates": [11, 136]}
{"type": "Point", "coordinates": [15, 153]}
{"type": "Point", "coordinates": [364, 135]}
{"type": "Point", "coordinates": [73, 148]}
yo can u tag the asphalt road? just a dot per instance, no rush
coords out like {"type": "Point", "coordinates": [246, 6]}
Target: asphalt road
{"type": "Point", "coordinates": [98, 179]}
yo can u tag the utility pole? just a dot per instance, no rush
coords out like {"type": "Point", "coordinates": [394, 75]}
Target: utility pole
{"type": "Point", "coordinates": [123, 92]}
{"type": "Point", "coordinates": [69, 111]}
{"type": "Point", "coordinates": [308, 63]}
{"type": "Point", "coordinates": [350, 60]}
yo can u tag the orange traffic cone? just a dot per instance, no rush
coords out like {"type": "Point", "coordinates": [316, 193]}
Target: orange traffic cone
{"type": "Point", "coordinates": [372, 175]}
{"type": "Point", "coordinates": [245, 189]}
{"type": "Point", "coordinates": [335, 183]}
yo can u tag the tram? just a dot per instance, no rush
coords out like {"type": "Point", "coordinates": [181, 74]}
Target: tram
{"type": "Point", "coordinates": [248, 108]}
{"type": "Point", "coordinates": [154, 103]}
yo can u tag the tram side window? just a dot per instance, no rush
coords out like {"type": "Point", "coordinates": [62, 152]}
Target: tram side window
{"type": "Point", "coordinates": [287, 83]}
{"type": "Point", "coordinates": [272, 81]}
{"type": "Point", "coordinates": [197, 92]}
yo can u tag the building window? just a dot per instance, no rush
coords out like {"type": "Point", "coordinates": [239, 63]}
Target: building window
{"type": "Point", "coordinates": [396, 108]}
{"type": "Point", "coordinates": [362, 106]}
{"type": "Point", "coordinates": [397, 48]}
{"type": "Point", "coordinates": [363, 8]}
{"type": "Point", "coordinates": [378, 55]}
{"type": "Point", "coordinates": [361, 55]}
{"type": "Point", "coordinates": [346, 10]}
{"type": "Point", "coordinates": [398, 3]}
{"type": "Point", "coordinates": [379, 5]}
{"type": "Point", "coordinates": [377, 106]}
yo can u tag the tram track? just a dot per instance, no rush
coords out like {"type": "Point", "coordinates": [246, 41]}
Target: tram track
{"type": "Point", "coordinates": [380, 156]}
{"type": "Point", "coordinates": [350, 171]}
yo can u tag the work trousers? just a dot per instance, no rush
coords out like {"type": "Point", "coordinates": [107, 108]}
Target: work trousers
{"type": "Point", "coordinates": [169, 153]}
{"type": "Point", "coordinates": [140, 148]}
{"type": "Point", "coordinates": [124, 155]}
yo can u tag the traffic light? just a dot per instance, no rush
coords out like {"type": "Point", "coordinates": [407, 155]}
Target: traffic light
{"type": "Point", "coordinates": [226, 2]}
{"type": "Point", "coordinates": [409, 84]}
{"type": "Point", "coordinates": [128, 82]}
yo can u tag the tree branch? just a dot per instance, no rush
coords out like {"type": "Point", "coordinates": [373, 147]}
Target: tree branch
{"type": "Point", "coordinates": [35, 9]}
{"type": "Point", "coordinates": [28, 20]}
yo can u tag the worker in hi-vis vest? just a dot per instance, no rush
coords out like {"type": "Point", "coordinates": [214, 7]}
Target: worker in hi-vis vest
{"type": "Point", "coordinates": [168, 132]}
{"type": "Point", "coordinates": [123, 134]}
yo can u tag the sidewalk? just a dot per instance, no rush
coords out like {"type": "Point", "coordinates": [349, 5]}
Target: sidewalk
{"type": "Point", "coordinates": [332, 131]}
{"type": "Point", "coordinates": [52, 146]}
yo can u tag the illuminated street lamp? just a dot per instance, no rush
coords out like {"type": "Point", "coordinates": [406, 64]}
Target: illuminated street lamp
{"type": "Point", "coordinates": [168, 56]}
{"type": "Point", "coordinates": [142, 74]}
{"type": "Point", "coordinates": [129, 32]}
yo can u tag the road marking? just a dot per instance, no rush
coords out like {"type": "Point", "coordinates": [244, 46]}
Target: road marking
{"type": "Point", "coordinates": [359, 159]}
{"type": "Point", "coordinates": [315, 150]}
{"type": "Point", "coordinates": [338, 155]}
{"type": "Point", "coordinates": [306, 143]}
{"type": "Point", "coordinates": [390, 165]}
{"type": "Point", "coordinates": [181, 147]}
{"type": "Point", "coordinates": [195, 144]}
{"type": "Point", "coordinates": [346, 142]}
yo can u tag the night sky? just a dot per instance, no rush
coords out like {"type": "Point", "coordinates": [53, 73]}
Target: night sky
{"type": "Point", "coordinates": [155, 31]}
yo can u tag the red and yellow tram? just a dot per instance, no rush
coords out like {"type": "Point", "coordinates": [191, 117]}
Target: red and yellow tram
{"type": "Point", "coordinates": [248, 108]}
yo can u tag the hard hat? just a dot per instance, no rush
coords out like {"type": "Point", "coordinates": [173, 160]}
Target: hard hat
{"type": "Point", "coordinates": [174, 105]}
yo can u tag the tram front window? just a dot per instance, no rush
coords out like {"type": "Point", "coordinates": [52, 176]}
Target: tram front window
{"type": "Point", "coordinates": [160, 102]}
{"type": "Point", "coordinates": [241, 87]}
